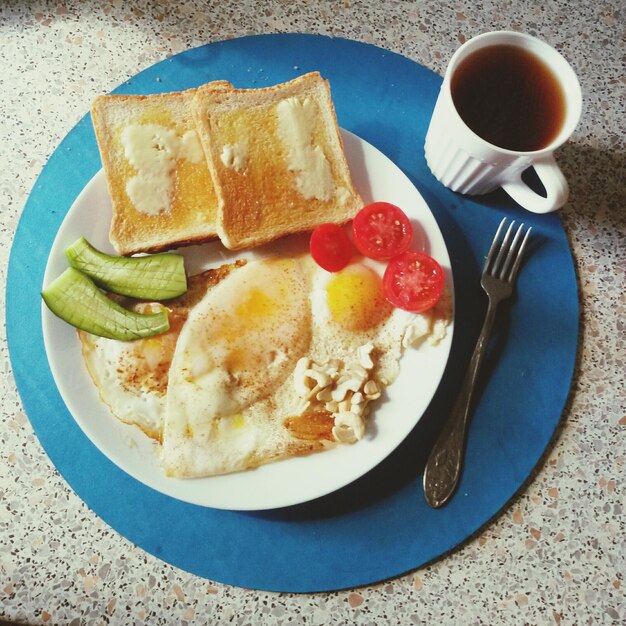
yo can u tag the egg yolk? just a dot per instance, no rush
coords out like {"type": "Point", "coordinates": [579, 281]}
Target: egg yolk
{"type": "Point", "coordinates": [255, 313]}
{"type": "Point", "coordinates": [355, 298]}
{"type": "Point", "coordinates": [256, 305]}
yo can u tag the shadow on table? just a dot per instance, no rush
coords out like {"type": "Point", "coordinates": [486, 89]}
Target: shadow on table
{"type": "Point", "coordinates": [597, 180]}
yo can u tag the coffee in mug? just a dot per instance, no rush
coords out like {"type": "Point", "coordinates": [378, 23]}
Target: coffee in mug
{"type": "Point", "coordinates": [508, 100]}
{"type": "Point", "coordinates": [509, 97]}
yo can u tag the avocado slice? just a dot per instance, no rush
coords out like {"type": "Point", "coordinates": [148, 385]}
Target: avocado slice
{"type": "Point", "coordinates": [77, 300]}
{"type": "Point", "coordinates": [152, 277]}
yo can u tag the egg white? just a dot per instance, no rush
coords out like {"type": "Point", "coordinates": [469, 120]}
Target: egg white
{"type": "Point", "coordinates": [132, 399]}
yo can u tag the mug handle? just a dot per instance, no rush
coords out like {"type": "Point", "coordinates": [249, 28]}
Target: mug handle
{"type": "Point", "coordinates": [553, 180]}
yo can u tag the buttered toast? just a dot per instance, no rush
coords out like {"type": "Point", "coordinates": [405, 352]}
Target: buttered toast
{"type": "Point", "coordinates": [277, 159]}
{"type": "Point", "coordinates": [161, 190]}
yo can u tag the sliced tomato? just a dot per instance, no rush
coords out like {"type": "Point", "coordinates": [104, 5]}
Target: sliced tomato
{"type": "Point", "coordinates": [381, 231]}
{"type": "Point", "coordinates": [413, 281]}
{"type": "Point", "coordinates": [331, 247]}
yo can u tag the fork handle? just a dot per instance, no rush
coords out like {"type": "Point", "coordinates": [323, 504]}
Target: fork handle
{"type": "Point", "coordinates": [443, 467]}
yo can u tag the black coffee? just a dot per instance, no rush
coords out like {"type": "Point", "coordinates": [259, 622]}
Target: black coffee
{"type": "Point", "coordinates": [509, 97]}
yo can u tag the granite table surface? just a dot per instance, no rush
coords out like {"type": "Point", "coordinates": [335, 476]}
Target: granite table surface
{"type": "Point", "coordinates": [557, 552]}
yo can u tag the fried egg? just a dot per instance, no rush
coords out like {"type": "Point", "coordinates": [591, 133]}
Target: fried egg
{"type": "Point", "coordinates": [350, 310]}
{"type": "Point", "coordinates": [131, 376]}
{"type": "Point", "coordinates": [237, 349]}
{"type": "Point", "coordinates": [276, 359]}
{"type": "Point", "coordinates": [245, 384]}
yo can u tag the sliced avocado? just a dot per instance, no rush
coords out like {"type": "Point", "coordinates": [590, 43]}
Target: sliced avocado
{"type": "Point", "coordinates": [75, 298]}
{"type": "Point", "coordinates": [153, 277]}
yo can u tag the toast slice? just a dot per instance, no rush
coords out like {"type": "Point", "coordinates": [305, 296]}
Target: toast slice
{"type": "Point", "coordinates": [161, 190]}
{"type": "Point", "coordinates": [277, 159]}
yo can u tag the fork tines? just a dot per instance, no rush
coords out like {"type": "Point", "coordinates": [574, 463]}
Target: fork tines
{"type": "Point", "coordinates": [509, 253]}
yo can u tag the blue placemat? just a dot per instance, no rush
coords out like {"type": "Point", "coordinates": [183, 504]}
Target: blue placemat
{"type": "Point", "coordinates": [379, 526]}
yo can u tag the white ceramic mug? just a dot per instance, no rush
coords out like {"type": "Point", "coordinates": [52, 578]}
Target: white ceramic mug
{"type": "Point", "coordinates": [468, 164]}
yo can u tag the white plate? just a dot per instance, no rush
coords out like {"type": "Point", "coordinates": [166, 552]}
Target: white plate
{"type": "Point", "coordinates": [277, 484]}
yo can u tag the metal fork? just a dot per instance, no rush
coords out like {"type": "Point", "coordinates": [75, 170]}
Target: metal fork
{"type": "Point", "coordinates": [443, 467]}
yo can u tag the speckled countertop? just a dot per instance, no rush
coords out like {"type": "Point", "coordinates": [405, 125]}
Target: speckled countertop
{"type": "Point", "coordinates": [556, 555]}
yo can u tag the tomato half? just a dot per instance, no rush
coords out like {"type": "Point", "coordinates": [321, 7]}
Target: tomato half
{"type": "Point", "coordinates": [381, 231]}
{"type": "Point", "coordinates": [331, 247]}
{"type": "Point", "coordinates": [413, 281]}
